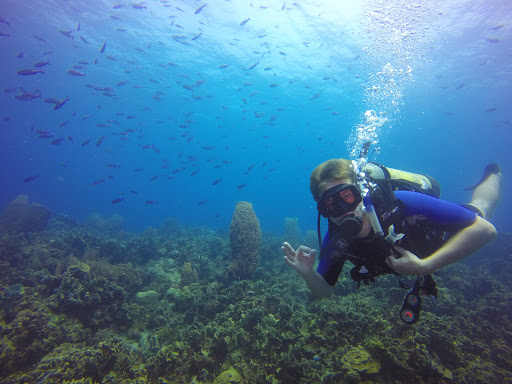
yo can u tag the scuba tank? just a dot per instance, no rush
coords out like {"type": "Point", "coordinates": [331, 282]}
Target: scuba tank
{"type": "Point", "coordinates": [402, 180]}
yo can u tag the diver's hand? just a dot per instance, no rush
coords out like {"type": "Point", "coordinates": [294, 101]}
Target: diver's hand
{"type": "Point", "coordinates": [407, 264]}
{"type": "Point", "coordinates": [301, 260]}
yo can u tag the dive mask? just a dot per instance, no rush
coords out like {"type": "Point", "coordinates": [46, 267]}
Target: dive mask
{"type": "Point", "coordinates": [338, 200]}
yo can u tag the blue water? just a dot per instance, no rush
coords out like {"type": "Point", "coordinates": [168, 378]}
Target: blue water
{"type": "Point", "coordinates": [320, 65]}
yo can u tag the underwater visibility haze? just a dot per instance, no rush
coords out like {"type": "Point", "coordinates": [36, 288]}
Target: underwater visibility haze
{"type": "Point", "coordinates": [139, 139]}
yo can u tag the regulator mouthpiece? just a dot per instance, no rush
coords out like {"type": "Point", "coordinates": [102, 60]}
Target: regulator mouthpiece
{"type": "Point", "coordinates": [393, 237]}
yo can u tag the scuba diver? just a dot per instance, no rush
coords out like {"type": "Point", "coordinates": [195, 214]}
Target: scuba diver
{"type": "Point", "coordinates": [391, 222]}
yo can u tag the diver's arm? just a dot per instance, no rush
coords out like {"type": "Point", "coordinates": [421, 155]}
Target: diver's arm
{"type": "Point", "coordinates": [462, 244]}
{"type": "Point", "coordinates": [302, 261]}
{"type": "Point", "coordinates": [317, 284]}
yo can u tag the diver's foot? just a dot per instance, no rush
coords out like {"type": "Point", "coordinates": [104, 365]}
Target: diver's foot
{"type": "Point", "coordinates": [491, 169]}
{"type": "Point", "coordinates": [486, 193]}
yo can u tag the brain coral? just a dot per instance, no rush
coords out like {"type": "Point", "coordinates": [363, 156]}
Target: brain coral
{"type": "Point", "coordinates": [244, 236]}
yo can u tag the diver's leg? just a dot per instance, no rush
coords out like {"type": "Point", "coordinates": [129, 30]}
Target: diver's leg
{"type": "Point", "coordinates": [486, 194]}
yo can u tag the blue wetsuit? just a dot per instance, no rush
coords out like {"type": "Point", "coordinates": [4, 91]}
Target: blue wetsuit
{"type": "Point", "coordinates": [443, 219]}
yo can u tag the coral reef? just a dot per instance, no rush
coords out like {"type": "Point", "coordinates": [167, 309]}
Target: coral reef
{"type": "Point", "coordinates": [20, 216]}
{"type": "Point", "coordinates": [92, 307]}
{"type": "Point", "coordinates": [244, 236]}
{"type": "Point", "coordinates": [188, 275]}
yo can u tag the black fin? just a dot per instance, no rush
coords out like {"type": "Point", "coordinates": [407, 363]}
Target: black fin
{"type": "Point", "coordinates": [489, 170]}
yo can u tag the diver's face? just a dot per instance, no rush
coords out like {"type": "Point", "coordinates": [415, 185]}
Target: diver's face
{"type": "Point", "coordinates": [333, 183]}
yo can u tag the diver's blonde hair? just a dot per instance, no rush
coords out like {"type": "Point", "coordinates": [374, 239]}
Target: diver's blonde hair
{"type": "Point", "coordinates": [334, 169]}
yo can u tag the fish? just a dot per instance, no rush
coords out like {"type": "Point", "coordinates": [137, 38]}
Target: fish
{"type": "Point", "coordinates": [67, 34]}
{"type": "Point", "coordinates": [57, 141]}
{"type": "Point", "coordinates": [114, 17]}
{"type": "Point", "coordinates": [2, 20]}
{"type": "Point", "coordinates": [460, 86]}
{"type": "Point", "coordinates": [4, 34]}
{"type": "Point", "coordinates": [117, 6]}
{"type": "Point", "coordinates": [243, 22]}
{"type": "Point", "coordinates": [85, 142]}
{"type": "Point", "coordinates": [139, 6]}
{"type": "Point", "coordinates": [217, 181]}
{"type": "Point", "coordinates": [113, 165]}
{"type": "Point", "coordinates": [273, 85]}
{"type": "Point", "coordinates": [102, 49]}
{"type": "Point", "coordinates": [42, 132]}
{"type": "Point", "coordinates": [196, 36]}
{"type": "Point", "coordinates": [30, 178]}
{"type": "Point", "coordinates": [151, 202]}
{"type": "Point", "coordinates": [84, 40]}
{"type": "Point", "coordinates": [254, 65]}
{"type": "Point", "coordinates": [202, 202]}
{"type": "Point", "coordinates": [492, 40]}
{"type": "Point", "coordinates": [27, 96]}
{"type": "Point", "coordinates": [100, 140]}
{"type": "Point", "coordinates": [123, 82]}
{"type": "Point", "coordinates": [78, 27]}
{"type": "Point", "coordinates": [20, 55]}
{"type": "Point", "coordinates": [200, 9]}
{"type": "Point", "coordinates": [39, 38]}
{"type": "Point", "coordinates": [241, 186]}
{"type": "Point", "coordinates": [282, 53]}
{"type": "Point", "coordinates": [492, 109]}
{"type": "Point", "coordinates": [28, 72]}
{"type": "Point", "coordinates": [195, 172]}
{"type": "Point", "coordinates": [96, 182]}
{"type": "Point", "coordinates": [209, 147]}
{"type": "Point", "coordinates": [64, 123]}
{"type": "Point", "coordinates": [72, 72]}
{"type": "Point", "coordinates": [188, 87]}
{"type": "Point", "coordinates": [117, 201]}
{"type": "Point", "coordinates": [60, 104]}
{"type": "Point", "coordinates": [496, 27]}
{"type": "Point", "coordinates": [222, 66]}
{"type": "Point", "coordinates": [41, 64]}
